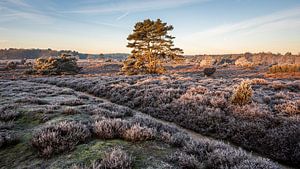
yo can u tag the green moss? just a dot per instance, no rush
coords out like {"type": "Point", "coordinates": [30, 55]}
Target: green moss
{"type": "Point", "coordinates": [28, 121]}
{"type": "Point", "coordinates": [15, 156]}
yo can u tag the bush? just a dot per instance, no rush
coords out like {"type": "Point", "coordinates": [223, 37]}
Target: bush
{"type": "Point", "coordinates": [185, 161]}
{"type": "Point", "coordinates": [290, 108]}
{"type": "Point", "coordinates": [64, 64]}
{"type": "Point", "coordinates": [256, 164]}
{"type": "Point", "coordinates": [177, 139]}
{"type": "Point", "coordinates": [57, 138]}
{"type": "Point", "coordinates": [287, 68]}
{"type": "Point", "coordinates": [209, 71]}
{"type": "Point", "coordinates": [109, 128]}
{"type": "Point", "coordinates": [116, 159]}
{"type": "Point", "coordinates": [138, 133]}
{"type": "Point", "coordinates": [11, 65]}
{"type": "Point", "coordinates": [243, 94]}
{"type": "Point", "coordinates": [243, 62]}
{"type": "Point", "coordinates": [8, 113]}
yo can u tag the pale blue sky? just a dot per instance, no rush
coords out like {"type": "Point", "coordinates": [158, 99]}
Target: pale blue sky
{"type": "Point", "coordinates": [201, 26]}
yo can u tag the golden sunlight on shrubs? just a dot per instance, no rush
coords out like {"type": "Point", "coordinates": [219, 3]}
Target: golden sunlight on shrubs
{"type": "Point", "coordinates": [243, 93]}
{"type": "Point", "coordinates": [287, 68]}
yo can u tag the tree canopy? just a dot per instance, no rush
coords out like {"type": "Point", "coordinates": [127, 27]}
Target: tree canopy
{"type": "Point", "coordinates": [151, 46]}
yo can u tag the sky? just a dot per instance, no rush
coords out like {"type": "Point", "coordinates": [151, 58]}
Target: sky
{"type": "Point", "coordinates": [200, 26]}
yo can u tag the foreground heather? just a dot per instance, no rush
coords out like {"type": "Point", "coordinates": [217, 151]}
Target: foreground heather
{"type": "Point", "coordinates": [268, 125]}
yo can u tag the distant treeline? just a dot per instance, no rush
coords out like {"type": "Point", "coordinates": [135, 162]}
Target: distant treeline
{"type": "Point", "coordinates": [12, 53]}
{"type": "Point", "coordinates": [259, 58]}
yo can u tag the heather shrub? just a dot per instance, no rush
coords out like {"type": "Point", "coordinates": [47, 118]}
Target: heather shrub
{"type": "Point", "coordinates": [7, 114]}
{"type": "Point", "coordinates": [290, 108]}
{"type": "Point", "coordinates": [116, 159]}
{"type": "Point", "coordinates": [178, 139]}
{"type": "Point", "coordinates": [207, 62]}
{"type": "Point", "coordinates": [115, 111]}
{"type": "Point", "coordinates": [243, 62]}
{"type": "Point", "coordinates": [11, 65]}
{"type": "Point", "coordinates": [185, 161]}
{"type": "Point", "coordinates": [287, 68]}
{"type": "Point", "coordinates": [109, 128]}
{"type": "Point", "coordinates": [242, 94]}
{"type": "Point", "coordinates": [60, 137]}
{"type": "Point", "coordinates": [65, 64]}
{"type": "Point", "coordinates": [258, 163]}
{"type": "Point", "coordinates": [277, 85]}
{"type": "Point", "coordinates": [258, 81]}
{"type": "Point", "coordinates": [70, 111]}
{"type": "Point", "coordinates": [138, 133]}
{"type": "Point", "coordinates": [209, 71]}
{"type": "Point", "coordinates": [198, 149]}
{"type": "Point", "coordinates": [225, 157]}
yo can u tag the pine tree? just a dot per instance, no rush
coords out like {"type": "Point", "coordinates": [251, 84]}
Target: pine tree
{"type": "Point", "coordinates": [151, 46]}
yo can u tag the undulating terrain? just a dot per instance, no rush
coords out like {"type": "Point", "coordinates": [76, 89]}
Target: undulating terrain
{"type": "Point", "coordinates": [101, 119]}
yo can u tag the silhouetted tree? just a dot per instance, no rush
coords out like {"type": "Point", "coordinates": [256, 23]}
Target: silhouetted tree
{"type": "Point", "coordinates": [151, 45]}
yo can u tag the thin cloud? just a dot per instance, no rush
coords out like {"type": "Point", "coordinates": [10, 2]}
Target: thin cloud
{"type": "Point", "coordinates": [133, 6]}
{"type": "Point", "coordinates": [122, 16]}
{"type": "Point", "coordinates": [18, 3]}
{"type": "Point", "coordinates": [252, 24]}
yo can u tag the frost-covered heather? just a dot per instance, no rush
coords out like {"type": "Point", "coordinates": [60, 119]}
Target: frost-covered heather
{"type": "Point", "coordinates": [51, 129]}
{"type": "Point", "coordinates": [60, 137]}
{"type": "Point", "coordinates": [269, 125]}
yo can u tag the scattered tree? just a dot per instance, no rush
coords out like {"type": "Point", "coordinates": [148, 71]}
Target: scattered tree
{"type": "Point", "coordinates": [151, 45]}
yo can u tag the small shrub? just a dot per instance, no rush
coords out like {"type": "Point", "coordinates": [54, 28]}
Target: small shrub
{"type": "Point", "coordinates": [209, 71]}
{"type": "Point", "coordinates": [109, 128]}
{"type": "Point", "coordinates": [70, 111]}
{"type": "Point", "coordinates": [64, 64]}
{"type": "Point", "coordinates": [177, 140]}
{"type": "Point", "coordinates": [116, 159]}
{"type": "Point", "coordinates": [57, 138]}
{"type": "Point", "coordinates": [224, 157]}
{"type": "Point", "coordinates": [256, 164]}
{"type": "Point", "coordinates": [207, 62]}
{"type": "Point", "coordinates": [243, 62]}
{"type": "Point", "coordinates": [11, 65]}
{"type": "Point", "coordinates": [8, 113]}
{"type": "Point", "coordinates": [138, 133]}
{"type": "Point", "coordinates": [258, 81]}
{"type": "Point", "coordinates": [196, 148]}
{"type": "Point", "coordinates": [287, 68]}
{"type": "Point", "coordinates": [290, 108]}
{"type": "Point", "coordinates": [243, 94]}
{"type": "Point", "coordinates": [185, 161]}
